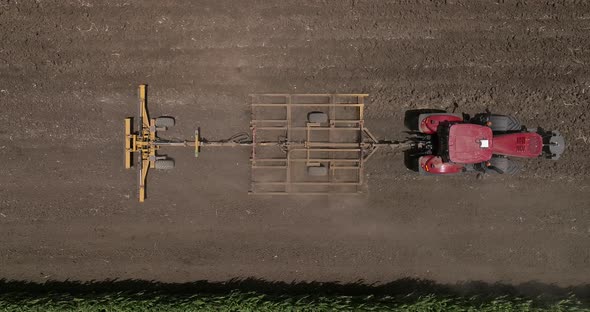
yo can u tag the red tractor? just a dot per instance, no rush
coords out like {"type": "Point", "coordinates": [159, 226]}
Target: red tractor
{"type": "Point", "coordinates": [447, 143]}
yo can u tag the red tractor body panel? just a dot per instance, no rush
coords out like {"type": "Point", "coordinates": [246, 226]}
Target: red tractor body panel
{"type": "Point", "coordinates": [469, 143]}
{"type": "Point", "coordinates": [523, 144]}
{"type": "Point", "coordinates": [435, 165]}
{"type": "Point", "coordinates": [429, 122]}
{"type": "Point", "coordinates": [446, 143]}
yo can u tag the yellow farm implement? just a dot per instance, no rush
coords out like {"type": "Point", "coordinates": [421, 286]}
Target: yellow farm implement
{"type": "Point", "coordinates": [145, 142]}
{"type": "Point", "coordinates": [305, 144]}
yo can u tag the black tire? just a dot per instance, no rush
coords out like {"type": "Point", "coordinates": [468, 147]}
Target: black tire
{"type": "Point", "coordinates": [411, 117]}
{"type": "Point", "coordinates": [317, 117]}
{"type": "Point", "coordinates": [164, 164]}
{"type": "Point", "coordinates": [165, 122]}
{"type": "Point", "coordinates": [411, 162]}
{"type": "Point", "coordinates": [503, 164]}
{"type": "Point", "coordinates": [317, 171]}
{"type": "Point", "coordinates": [504, 123]}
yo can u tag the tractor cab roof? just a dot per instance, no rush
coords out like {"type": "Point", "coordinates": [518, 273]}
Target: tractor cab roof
{"type": "Point", "coordinates": [469, 143]}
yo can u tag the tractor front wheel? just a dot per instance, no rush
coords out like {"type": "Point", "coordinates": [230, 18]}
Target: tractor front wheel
{"type": "Point", "coordinates": [503, 165]}
{"type": "Point", "coordinates": [503, 123]}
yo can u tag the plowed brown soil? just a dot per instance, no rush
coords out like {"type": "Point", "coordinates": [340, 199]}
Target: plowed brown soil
{"type": "Point", "coordinates": [68, 76]}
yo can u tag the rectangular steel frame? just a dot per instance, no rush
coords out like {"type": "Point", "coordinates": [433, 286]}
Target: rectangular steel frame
{"type": "Point", "coordinates": [337, 155]}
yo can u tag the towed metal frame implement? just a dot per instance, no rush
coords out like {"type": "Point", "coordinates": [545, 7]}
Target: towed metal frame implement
{"type": "Point", "coordinates": [306, 144]}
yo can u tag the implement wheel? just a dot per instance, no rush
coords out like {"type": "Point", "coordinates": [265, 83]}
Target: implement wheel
{"type": "Point", "coordinates": [164, 164]}
{"type": "Point", "coordinates": [317, 117]}
{"type": "Point", "coordinates": [317, 171]}
{"type": "Point", "coordinates": [165, 122]}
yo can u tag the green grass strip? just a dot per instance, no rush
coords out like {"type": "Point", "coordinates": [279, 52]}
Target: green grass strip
{"type": "Point", "coordinates": [253, 301]}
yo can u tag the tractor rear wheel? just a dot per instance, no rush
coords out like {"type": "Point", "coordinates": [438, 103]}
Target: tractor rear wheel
{"type": "Point", "coordinates": [412, 162]}
{"type": "Point", "coordinates": [504, 123]}
{"type": "Point", "coordinates": [164, 164]}
{"type": "Point", "coordinates": [165, 122]}
{"type": "Point", "coordinates": [503, 164]}
{"type": "Point", "coordinates": [411, 117]}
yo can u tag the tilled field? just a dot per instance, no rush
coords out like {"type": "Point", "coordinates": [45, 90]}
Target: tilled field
{"type": "Point", "coordinates": [68, 76]}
